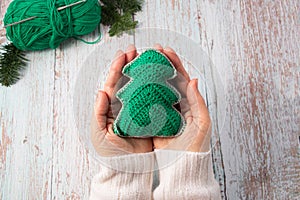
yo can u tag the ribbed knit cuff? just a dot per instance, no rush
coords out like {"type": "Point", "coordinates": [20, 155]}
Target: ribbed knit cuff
{"type": "Point", "coordinates": [189, 176]}
{"type": "Point", "coordinates": [134, 181]}
{"type": "Point", "coordinates": [133, 163]}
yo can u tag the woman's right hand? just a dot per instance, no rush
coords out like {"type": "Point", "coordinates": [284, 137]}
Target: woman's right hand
{"type": "Point", "coordinates": [197, 133]}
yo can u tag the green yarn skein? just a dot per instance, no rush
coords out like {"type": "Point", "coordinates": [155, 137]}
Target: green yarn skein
{"type": "Point", "coordinates": [148, 99]}
{"type": "Point", "coordinates": [50, 27]}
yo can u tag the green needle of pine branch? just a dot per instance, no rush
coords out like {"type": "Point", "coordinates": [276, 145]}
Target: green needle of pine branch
{"type": "Point", "coordinates": [12, 63]}
{"type": "Point", "coordinates": [118, 15]}
{"type": "Point", "coordinates": [124, 24]}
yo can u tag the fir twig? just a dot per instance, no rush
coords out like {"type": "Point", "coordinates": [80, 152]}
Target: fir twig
{"type": "Point", "coordinates": [124, 24]}
{"type": "Point", "coordinates": [12, 63]}
{"type": "Point", "coordinates": [118, 15]}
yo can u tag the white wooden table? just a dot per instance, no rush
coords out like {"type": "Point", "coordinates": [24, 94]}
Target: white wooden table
{"type": "Point", "coordinates": [254, 47]}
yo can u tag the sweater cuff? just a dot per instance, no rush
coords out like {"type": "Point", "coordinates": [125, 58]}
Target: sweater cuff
{"type": "Point", "coordinates": [186, 174]}
{"type": "Point", "coordinates": [124, 177]}
{"type": "Point", "coordinates": [132, 163]}
{"type": "Point", "coordinates": [167, 158]}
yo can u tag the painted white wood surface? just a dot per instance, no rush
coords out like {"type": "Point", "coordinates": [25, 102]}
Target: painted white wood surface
{"type": "Point", "coordinates": [254, 48]}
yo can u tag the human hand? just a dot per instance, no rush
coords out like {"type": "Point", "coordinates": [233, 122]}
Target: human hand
{"type": "Point", "coordinates": [196, 135]}
{"type": "Point", "coordinates": [104, 140]}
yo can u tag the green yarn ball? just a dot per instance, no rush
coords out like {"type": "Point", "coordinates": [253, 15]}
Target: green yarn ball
{"type": "Point", "coordinates": [148, 99]}
{"type": "Point", "coordinates": [50, 27]}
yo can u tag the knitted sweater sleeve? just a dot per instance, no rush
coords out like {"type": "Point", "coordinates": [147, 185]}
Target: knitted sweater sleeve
{"type": "Point", "coordinates": [131, 178]}
{"type": "Point", "coordinates": [189, 176]}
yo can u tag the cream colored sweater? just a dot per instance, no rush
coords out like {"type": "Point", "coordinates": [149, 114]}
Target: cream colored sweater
{"type": "Point", "coordinates": [189, 176]}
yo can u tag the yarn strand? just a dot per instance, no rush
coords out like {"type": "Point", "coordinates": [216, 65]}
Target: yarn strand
{"type": "Point", "coordinates": [30, 18]}
{"type": "Point", "coordinates": [55, 22]}
{"type": "Point", "coordinates": [92, 42]}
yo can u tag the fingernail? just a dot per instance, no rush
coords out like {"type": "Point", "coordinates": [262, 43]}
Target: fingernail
{"type": "Point", "coordinates": [130, 47]}
{"type": "Point", "coordinates": [169, 49]}
{"type": "Point", "coordinates": [158, 46]}
{"type": "Point", "coordinates": [196, 80]}
{"type": "Point", "coordinates": [118, 53]}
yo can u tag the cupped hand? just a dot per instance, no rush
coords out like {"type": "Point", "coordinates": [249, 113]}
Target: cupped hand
{"type": "Point", "coordinates": [104, 140]}
{"type": "Point", "coordinates": [197, 132]}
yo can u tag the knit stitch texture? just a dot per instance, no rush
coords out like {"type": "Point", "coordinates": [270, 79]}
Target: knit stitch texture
{"type": "Point", "coordinates": [148, 99]}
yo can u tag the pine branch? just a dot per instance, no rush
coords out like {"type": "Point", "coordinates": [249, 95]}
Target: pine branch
{"type": "Point", "coordinates": [118, 15]}
{"type": "Point", "coordinates": [12, 63]}
{"type": "Point", "coordinates": [124, 24]}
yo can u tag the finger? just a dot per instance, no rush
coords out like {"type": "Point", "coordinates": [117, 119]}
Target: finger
{"type": "Point", "coordinates": [158, 47]}
{"type": "Point", "coordinates": [101, 109]}
{"type": "Point", "coordinates": [180, 83]}
{"type": "Point", "coordinates": [196, 101]}
{"type": "Point", "coordinates": [170, 53]}
{"type": "Point", "coordinates": [115, 72]}
{"type": "Point", "coordinates": [160, 142]}
{"type": "Point", "coordinates": [184, 106]}
{"type": "Point", "coordinates": [114, 109]}
{"type": "Point", "coordinates": [130, 53]}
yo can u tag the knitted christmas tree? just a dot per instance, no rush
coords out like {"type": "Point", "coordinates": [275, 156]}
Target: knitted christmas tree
{"type": "Point", "coordinates": [148, 99]}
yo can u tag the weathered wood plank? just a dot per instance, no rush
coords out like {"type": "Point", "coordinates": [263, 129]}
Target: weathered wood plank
{"type": "Point", "coordinates": [254, 46]}
{"type": "Point", "coordinates": [26, 128]}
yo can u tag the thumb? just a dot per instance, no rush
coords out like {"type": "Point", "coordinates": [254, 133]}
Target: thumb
{"type": "Point", "coordinates": [196, 101]}
{"type": "Point", "coordinates": [200, 117]}
{"type": "Point", "coordinates": [101, 109]}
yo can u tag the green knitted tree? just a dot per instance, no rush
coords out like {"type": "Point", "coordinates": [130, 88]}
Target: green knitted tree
{"type": "Point", "coordinates": [148, 99]}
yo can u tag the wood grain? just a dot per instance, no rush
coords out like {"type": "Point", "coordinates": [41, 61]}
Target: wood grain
{"type": "Point", "coordinates": [263, 125]}
{"type": "Point", "coordinates": [254, 46]}
{"type": "Point", "coordinates": [251, 87]}
{"type": "Point", "coordinates": [26, 129]}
